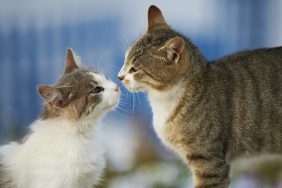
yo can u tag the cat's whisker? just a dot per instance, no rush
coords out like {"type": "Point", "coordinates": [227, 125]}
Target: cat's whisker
{"type": "Point", "coordinates": [125, 42]}
{"type": "Point", "coordinates": [101, 60]}
{"type": "Point", "coordinates": [124, 103]}
{"type": "Point", "coordinates": [125, 107]}
{"type": "Point", "coordinates": [133, 107]}
{"type": "Point", "coordinates": [123, 110]}
{"type": "Point", "coordinates": [124, 97]}
{"type": "Point", "coordinates": [140, 104]}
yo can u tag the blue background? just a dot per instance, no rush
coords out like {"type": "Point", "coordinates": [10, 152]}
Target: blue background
{"type": "Point", "coordinates": [34, 36]}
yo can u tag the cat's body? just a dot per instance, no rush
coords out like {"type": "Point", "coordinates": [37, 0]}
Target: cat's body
{"type": "Point", "coordinates": [55, 155]}
{"type": "Point", "coordinates": [63, 149]}
{"type": "Point", "coordinates": [227, 112]}
{"type": "Point", "coordinates": [230, 93]}
{"type": "Point", "coordinates": [209, 112]}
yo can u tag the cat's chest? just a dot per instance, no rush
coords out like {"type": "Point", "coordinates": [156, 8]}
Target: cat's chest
{"type": "Point", "coordinates": [162, 109]}
{"type": "Point", "coordinates": [161, 113]}
{"type": "Point", "coordinates": [65, 151]}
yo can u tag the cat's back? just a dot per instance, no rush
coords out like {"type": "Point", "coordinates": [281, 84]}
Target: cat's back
{"type": "Point", "coordinates": [248, 85]}
{"type": "Point", "coordinates": [251, 76]}
{"type": "Point", "coordinates": [255, 56]}
{"type": "Point", "coordinates": [260, 68]}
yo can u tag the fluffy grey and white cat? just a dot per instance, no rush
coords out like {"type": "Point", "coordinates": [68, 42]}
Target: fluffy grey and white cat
{"type": "Point", "coordinates": [63, 149]}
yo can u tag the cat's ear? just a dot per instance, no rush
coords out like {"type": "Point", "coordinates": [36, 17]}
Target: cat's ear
{"type": "Point", "coordinates": [52, 96]}
{"type": "Point", "coordinates": [174, 49]}
{"type": "Point", "coordinates": [155, 18]}
{"type": "Point", "coordinates": [71, 63]}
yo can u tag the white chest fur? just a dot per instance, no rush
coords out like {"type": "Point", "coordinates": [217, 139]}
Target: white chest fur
{"type": "Point", "coordinates": [163, 104]}
{"type": "Point", "coordinates": [55, 155]}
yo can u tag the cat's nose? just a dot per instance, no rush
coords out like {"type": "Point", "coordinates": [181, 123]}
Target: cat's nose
{"type": "Point", "coordinates": [121, 77]}
{"type": "Point", "coordinates": [117, 88]}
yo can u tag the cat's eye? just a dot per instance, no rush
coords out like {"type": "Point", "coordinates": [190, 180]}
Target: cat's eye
{"type": "Point", "coordinates": [98, 89]}
{"type": "Point", "coordinates": [132, 70]}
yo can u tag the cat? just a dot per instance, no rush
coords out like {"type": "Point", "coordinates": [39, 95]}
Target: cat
{"type": "Point", "coordinates": [210, 113]}
{"type": "Point", "coordinates": [63, 149]}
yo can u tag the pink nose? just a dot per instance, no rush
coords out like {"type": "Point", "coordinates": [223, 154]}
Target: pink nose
{"type": "Point", "coordinates": [117, 88]}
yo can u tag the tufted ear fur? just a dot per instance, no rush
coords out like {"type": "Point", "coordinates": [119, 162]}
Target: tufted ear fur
{"type": "Point", "coordinates": [155, 18]}
{"type": "Point", "coordinates": [174, 48]}
{"type": "Point", "coordinates": [53, 96]}
{"type": "Point", "coordinates": [71, 62]}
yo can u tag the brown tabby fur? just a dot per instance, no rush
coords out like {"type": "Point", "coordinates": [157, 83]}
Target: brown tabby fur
{"type": "Point", "coordinates": [224, 109]}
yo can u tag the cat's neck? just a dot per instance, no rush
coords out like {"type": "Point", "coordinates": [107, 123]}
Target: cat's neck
{"type": "Point", "coordinates": [169, 95]}
{"type": "Point", "coordinates": [163, 104]}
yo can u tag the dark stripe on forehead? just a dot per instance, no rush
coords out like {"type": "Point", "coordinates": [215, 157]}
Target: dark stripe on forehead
{"type": "Point", "coordinates": [147, 41]}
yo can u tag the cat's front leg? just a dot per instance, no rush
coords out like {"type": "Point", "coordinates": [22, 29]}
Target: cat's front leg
{"type": "Point", "coordinates": [209, 172]}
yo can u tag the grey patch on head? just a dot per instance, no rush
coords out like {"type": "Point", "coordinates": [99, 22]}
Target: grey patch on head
{"type": "Point", "coordinates": [92, 107]}
{"type": "Point", "coordinates": [80, 84]}
{"type": "Point", "coordinates": [88, 105]}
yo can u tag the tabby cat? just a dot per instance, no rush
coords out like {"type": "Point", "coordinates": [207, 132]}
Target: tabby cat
{"type": "Point", "coordinates": [63, 149]}
{"type": "Point", "coordinates": [210, 113]}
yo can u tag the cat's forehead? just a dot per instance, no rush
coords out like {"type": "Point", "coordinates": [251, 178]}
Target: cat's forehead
{"type": "Point", "coordinates": [149, 41]}
{"type": "Point", "coordinates": [99, 78]}
{"type": "Point", "coordinates": [81, 76]}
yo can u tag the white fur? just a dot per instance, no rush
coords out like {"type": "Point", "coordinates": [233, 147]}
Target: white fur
{"type": "Point", "coordinates": [61, 153]}
{"type": "Point", "coordinates": [56, 155]}
{"type": "Point", "coordinates": [111, 95]}
{"type": "Point", "coordinates": [163, 103]}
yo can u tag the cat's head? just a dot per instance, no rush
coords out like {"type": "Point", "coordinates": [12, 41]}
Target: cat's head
{"type": "Point", "coordinates": [160, 58]}
{"type": "Point", "coordinates": [80, 93]}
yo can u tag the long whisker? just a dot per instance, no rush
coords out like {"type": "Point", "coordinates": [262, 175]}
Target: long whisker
{"type": "Point", "coordinates": [139, 99]}
{"type": "Point", "coordinates": [124, 104]}
{"type": "Point", "coordinates": [123, 111]}
{"type": "Point", "coordinates": [99, 61]}
{"type": "Point", "coordinates": [125, 41]}
{"type": "Point", "coordinates": [133, 107]}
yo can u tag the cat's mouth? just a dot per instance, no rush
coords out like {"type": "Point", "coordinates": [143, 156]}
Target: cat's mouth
{"type": "Point", "coordinates": [113, 104]}
{"type": "Point", "coordinates": [112, 101]}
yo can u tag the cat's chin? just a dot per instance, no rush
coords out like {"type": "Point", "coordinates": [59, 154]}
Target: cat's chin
{"type": "Point", "coordinates": [110, 106]}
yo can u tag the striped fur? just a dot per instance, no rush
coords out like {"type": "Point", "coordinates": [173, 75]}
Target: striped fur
{"type": "Point", "coordinates": [209, 112]}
